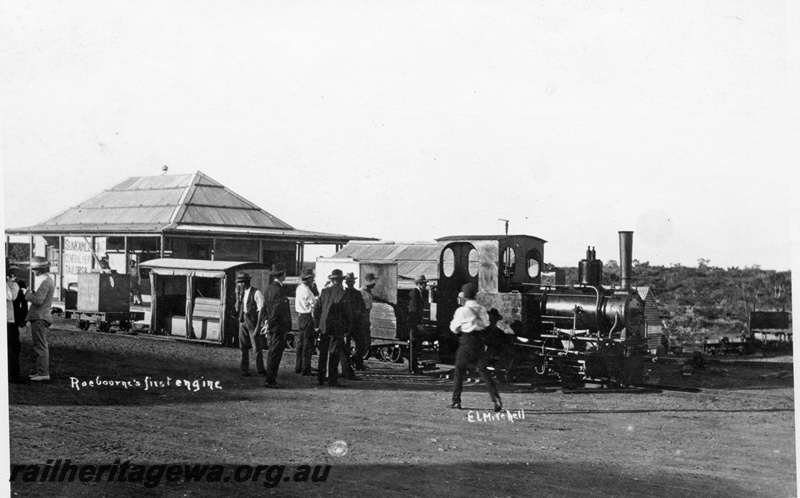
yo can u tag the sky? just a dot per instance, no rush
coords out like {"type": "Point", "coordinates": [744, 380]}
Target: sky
{"type": "Point", "coordinates": [411, 120]}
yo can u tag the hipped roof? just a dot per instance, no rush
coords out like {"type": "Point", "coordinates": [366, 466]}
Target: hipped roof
{"type": "Point", "coordinates": [194, 204]}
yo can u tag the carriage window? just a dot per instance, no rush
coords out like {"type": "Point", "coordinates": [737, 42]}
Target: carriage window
{"type": "Point", "coordinates": [448, 262]}
{"type": "Point", "coordinates": [473, 263]}
{"type": "Point", "coordinates": [509, 260]}
{"type": "Point", "coordinates": [533, 263]}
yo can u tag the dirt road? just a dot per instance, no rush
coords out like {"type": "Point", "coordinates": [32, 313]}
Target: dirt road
{"type": "Point", "coordinates": [733, 438]}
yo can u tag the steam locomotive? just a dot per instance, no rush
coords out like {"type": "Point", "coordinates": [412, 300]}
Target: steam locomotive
{"type": "Point", "coordinates": [578, 332]}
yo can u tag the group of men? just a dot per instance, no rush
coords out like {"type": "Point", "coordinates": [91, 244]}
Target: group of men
{"type": "Point", "coordinates": [340, 313]}
{"type": "Point", "coordinates": [19, 314]}
{"type": "Point", "coordinates": [335, 315]}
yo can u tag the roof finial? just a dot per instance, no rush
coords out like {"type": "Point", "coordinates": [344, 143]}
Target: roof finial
{"type": "Point", "coordinates": [164, 169]}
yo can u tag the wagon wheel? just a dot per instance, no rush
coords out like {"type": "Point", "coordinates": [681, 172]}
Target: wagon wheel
{"type": "Point", "coordinates": [124, 325]}
{"type": "Point", "coordinates": [83, 324]}
{"type": "Point", "coordinates": [367, 352]}
{"type": "Point", "coordinates": [365, 356]}
{"type": "Point", "coordinates": [103, 326]}
{"type": "Point", "coordinates": [290, 342]}
{"type": "Point", "coordinates": [391, 354]}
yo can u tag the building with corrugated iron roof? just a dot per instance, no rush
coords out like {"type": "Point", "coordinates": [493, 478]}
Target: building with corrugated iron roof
{"type": "Point", "coordinates": [174, 216]}
{"type": "Point", "coordinates": [413, 258]}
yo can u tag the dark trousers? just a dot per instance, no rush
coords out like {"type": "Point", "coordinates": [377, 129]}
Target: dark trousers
{"type": "Point", "coordinates": [415, 347]}
{"type": "Point", "coordinates": [361, 339]}
{"type": "Point", "coordinates": [14, 348]}
{"type": "Point", "coordinates": [251, 340]}
{"type": "Point", "coordinates": [304, 346]}
{"type": "Point", "coordinates": [337, 352]}
{"type": "Point", "coordinates": [276, 342]}
{"type": "Point", "coordinates": [470, 351]}
{"type": "Point", "coordinates": [322, 364]}
{"type": "Point", "coordinates": [331, 351]}
{"type": "Point", "coordinates": [344, 357]}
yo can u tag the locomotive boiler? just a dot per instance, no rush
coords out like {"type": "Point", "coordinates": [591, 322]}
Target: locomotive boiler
{"type": "Point", "coordinates": [578, 332]}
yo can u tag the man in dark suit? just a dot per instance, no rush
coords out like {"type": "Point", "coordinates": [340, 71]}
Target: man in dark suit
{"type": "Point", "coordinates": [334, 318]}
{"type": "Point", "coordinates": [17, 310]}
{"type": "Point", "coordinates": [279, 323]}
{"type": "Point", "coordinates": [250, 305]}
{"type": "Point", "coordinates": [416, 307]}
{"type": "Point", "coordinates": [358, 309]}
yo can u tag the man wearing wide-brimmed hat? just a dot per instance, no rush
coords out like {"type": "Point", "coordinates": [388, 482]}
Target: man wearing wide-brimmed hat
{"type": "Point", "coordinates": [304, 304]}
{"type": "Point", "coordinates": [39, 315]}
{"type": "Point", "coordinates": [334, 318]}
{"type": "Point", "coordinates": [357, 307]}
{"type": "Point", "coordinates": [250, 305]}
{"type": "Point", "coordinates": [416, 307]}
{"type": "Point", "coordinates": [365, 327]}
{"type": "Point", "coordinates": [278, 317]}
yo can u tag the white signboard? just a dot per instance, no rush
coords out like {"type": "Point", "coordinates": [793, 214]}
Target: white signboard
{"type": "Point", "coordinates": [78, 255]}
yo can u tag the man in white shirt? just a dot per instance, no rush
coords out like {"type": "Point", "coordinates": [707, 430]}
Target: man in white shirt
{"type": "Point", "coordinates": [304, 304]}
{"type": "Point", "coordinates": [250, 305]}
{"type": "Point", "coordinates": [469, 322]}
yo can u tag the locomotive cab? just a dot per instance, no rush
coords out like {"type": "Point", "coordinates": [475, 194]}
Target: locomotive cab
{"type": "Point", "coordinates": [502, 267]}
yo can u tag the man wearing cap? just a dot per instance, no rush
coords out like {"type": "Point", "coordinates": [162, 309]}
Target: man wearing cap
{"type": "Point", "coordinates": [39, 316]}
{"type": "Point", "coordinates": [304, 305]}
{"type": "Point", "coordinates": [279, 323]}
{"type": "Point", "coordinates": [357, 306]}
{"type": "Point", "coordinates": [250, 305]}
{"type": "Point", "coordinates": [333, 317]}
{"type": "Point", "coordinates": [469, 322]}
{"type": "Point", "coordinates": [416, 307]}
{"type": "Point", "coordinates": [364, 328]}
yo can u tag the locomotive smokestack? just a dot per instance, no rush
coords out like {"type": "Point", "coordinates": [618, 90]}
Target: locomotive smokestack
{"type": "Point", "coordinates": [626, 258]}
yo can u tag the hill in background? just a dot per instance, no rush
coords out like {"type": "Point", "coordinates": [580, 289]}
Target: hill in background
{"type": "Point", "coordinates": [706, 301]}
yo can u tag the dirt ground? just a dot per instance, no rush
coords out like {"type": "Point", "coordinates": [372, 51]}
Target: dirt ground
{"type": "Point", "coordinates": [731, 435]}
